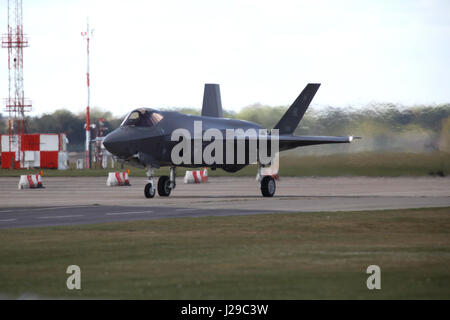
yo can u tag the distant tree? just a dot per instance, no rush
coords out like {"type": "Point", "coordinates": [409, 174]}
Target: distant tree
{"type": "Point", "coordinates": [380, 123]}
{"type": "Point", "coordinates": [3, 125]}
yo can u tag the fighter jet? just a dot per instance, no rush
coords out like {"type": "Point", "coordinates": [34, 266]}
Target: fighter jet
{"type": "Point", "coordinates": [151, 139]}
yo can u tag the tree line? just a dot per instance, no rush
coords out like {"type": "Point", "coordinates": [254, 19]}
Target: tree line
{"type": "Point", "coordinates": [382, 126]}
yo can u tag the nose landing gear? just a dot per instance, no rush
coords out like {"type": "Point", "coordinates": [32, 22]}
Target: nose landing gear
{"type": "Point", "coordinates": [165, 184]}
{"type": "Point", "coordinates": [149, 189]}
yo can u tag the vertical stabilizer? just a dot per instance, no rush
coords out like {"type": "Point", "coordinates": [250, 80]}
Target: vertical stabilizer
{"type": "Point", "coordinates": [290, 120]}
{"type": "Point", "coordinates": [212, 103]}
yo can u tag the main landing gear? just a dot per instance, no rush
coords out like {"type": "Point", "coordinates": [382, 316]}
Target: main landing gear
{"type": "Point", "coordinates": [165, 184]}
{"type": "Point", "coordinates": [268, 185]}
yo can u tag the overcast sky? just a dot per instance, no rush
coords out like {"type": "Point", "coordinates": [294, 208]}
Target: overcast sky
{"type": "Point", "coordinates": [160, 53]}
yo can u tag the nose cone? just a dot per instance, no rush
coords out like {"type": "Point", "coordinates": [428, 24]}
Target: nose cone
{"type": "Point", "coordinates": [115, 142]}
{"type": "Point", "coordinates": [108, 141]}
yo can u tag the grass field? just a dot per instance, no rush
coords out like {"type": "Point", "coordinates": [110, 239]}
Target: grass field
{"type": "Point", "coordinates": [275, 256]}
{"type": "Point", "coordinates": [352, 164]}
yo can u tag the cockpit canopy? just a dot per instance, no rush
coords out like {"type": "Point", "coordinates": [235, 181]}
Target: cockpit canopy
{"type": "Point", "coordinates": [142, 118]}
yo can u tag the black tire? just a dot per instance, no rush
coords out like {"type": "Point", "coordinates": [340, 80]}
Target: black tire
{"type": "Point", "coordinates": [268, 186]}
{"type": "Point", "coordinates": [149, 191]}
{"type": "Point", "coordinates": [164, 186]}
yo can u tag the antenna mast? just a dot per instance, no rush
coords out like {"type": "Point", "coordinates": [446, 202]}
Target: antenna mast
{"type": "Point", "coordinates": [16, 104]}
{"type": "Point", "coordinates": [86, 35]}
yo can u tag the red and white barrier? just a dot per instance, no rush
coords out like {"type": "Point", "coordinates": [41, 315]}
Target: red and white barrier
{"type": "Point", "coordinates": [197, 176]}
{"type": "Point", "coordinates": [118, 179]}
{"type": "Point", "coordinates": [30, 181]}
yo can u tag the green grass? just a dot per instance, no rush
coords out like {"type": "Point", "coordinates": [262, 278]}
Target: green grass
{"type": "Point", "coordinates": [367, 164]}
{"type": "Point", "coordinates": [352, 164]}
{"type": "Point", "coordinates": [275, 256]}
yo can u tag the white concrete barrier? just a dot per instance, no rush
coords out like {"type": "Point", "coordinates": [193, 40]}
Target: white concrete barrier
{"type": "Point", "coordinates": [79, 163]}
{"type": "Point", "coordinates": [118, 179]}
{"type": "Point", "coordinates": [30, 181]}
{"type": "Point", "coordinates": [197, 176]}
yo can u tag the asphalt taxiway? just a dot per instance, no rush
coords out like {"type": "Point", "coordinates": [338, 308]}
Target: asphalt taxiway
{"type": "Point", "coordinates": [81, 200]}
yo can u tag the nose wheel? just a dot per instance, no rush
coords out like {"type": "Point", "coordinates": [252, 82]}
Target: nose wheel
{"type": "Point", "coordinates": [149, 190]}
{"type": "Point", "coordinates": [165, 184]}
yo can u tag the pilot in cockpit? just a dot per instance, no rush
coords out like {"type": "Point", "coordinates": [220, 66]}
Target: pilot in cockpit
{"type": "Point", "coordinates": [142, 118]}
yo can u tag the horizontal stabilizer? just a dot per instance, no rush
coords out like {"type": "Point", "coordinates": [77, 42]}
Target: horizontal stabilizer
{"type": "Point", "coordinates": [291, 142]}
{"type": "Point", "coordinates": [288, 141]}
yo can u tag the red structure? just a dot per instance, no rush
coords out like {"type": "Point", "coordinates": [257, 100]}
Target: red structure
{"type": "Point", "coordinates": [39, 150]}
{"type": "Point", "coordinates": [16, 104]}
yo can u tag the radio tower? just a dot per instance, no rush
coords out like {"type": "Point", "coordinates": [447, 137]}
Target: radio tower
{"type": "Point", "coordinates": [16, 104]}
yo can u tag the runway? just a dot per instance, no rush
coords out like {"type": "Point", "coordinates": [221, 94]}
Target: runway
{"type": "Point", "coordinates": [72, 215]}
{"type": "Point", "coordinates": [71, 201]}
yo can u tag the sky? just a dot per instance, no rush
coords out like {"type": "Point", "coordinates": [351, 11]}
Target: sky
{"type": "Point", "coordinates": [160, 53]}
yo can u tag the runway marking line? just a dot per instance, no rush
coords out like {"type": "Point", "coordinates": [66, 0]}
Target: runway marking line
{"type": "Point", "coordinates": [8, 220]}
{"type": "Point", "coordinates": [120, 213]}
{"type": "Point", "coordinates": [41, 209]}
{"type": "Point", "coordinates": [61, 217]}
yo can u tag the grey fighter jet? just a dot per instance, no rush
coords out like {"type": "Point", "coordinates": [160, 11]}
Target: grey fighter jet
{"type": "Point", "coordinates": [146, 139]}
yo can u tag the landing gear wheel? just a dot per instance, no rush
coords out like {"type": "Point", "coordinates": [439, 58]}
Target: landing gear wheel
{"type": "Point", "coordinates": [268, 186]}
{"type": "Point", "coordinates": [164, 186]}
{"type": "Point", "coordinates": [149, 191]}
